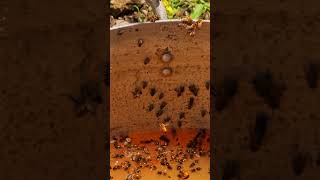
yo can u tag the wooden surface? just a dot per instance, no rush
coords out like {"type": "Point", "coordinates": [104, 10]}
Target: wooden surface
{"type": "Point", "coordinates": [190, 65]}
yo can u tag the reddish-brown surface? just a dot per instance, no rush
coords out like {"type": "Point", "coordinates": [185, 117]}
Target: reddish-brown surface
{"type": "Point", "coordinates": [190, 67]}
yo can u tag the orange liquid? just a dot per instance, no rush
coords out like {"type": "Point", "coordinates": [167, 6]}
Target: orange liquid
{"type": "Point", "coordinates": [195, 167]}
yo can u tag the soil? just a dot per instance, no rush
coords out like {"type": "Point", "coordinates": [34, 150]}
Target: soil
{"type": "Point", "coordinates": [122, 12]}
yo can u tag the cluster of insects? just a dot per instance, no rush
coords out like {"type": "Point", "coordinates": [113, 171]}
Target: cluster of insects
{"type": "Point", "coordinates": [134, 158]}
{"type": "Point", "coordinates": [190, 25]}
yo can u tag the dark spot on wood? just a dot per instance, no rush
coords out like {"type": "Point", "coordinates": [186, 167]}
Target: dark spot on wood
{"type": "Point", "coordinates": [194, 89]}
{"type": "Point", "coordinates": [179, 123]}
{"type": "Point", "coordinates": [312, 75]}
{"type": "Point", "coordinates": [179, 90]}
{"type": "Point", "coordinates": [191, 102]}
{"type": "Point", "coordinates": [267, 88]}
{"type": "Point", "coordinates": [258, 132]}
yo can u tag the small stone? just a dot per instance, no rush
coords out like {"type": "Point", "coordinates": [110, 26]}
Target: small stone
{"type": "Point", "coordinates": [167, 57]}
{"type": "Point", "coordinates": [167, 71]}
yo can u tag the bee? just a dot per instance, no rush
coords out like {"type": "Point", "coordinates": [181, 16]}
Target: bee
{"type": "Point", "coordinates": [130, 177]}
{"type": "Point", "coordinates": [183, 175]}
{"type": "Point", "coordinates": [190, 25]}
{"type": "Point", "coordinates": [163, 127]}
{"type": "Point", "coordinates": [153, 18]}
{"type": "Point", "coordinates": [187, 20]}
{"type": "Point", "coordinates": [199, 23]}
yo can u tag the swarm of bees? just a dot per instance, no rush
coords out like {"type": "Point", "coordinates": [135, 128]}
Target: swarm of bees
{"type": "Point", "coordinates": [190, 25]}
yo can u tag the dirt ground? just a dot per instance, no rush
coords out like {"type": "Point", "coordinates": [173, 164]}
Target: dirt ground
{"type": "Point", "coordinates": [121, 11]}
{"type": "Point", "coordinates": [125, 11]}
